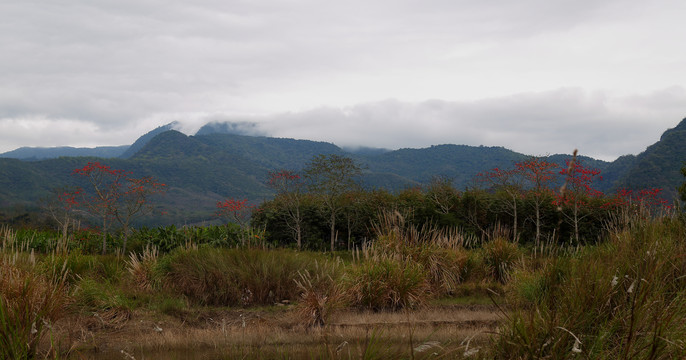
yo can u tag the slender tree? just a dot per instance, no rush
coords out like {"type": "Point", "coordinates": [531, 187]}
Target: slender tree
{"type": "Point", "coordinates": [539, 174]}
{"type": "Point", "coordinates": [134, 201]}
{"type": "Point", "coordinates": [289, 193]}
{"type": "Point", "coordinates": [114, 196]}
{"type": "Point", "coordinates": [331, 176]}
{"type": "Point", "coordinates": [442, 193]}
{"type": "Point", "coordinates": [62, 205]}
{"type": "Point", "coordinates": [237, 211]}
{"type": "Point", "coordinates": [577, 192]}
{"type": "Point", "coordinates": [510, 183]}
{"type": "Point", "coordinates": [100, 198]}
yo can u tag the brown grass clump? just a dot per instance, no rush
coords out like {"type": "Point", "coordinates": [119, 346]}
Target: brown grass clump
{"type": "Point", "coordinates": [440, 253]}
{"type": "Point", "coordinates": [321, 294]}
{"type": "Point", "coordinates": [235, 277]}
{"type": "Point", "coordinates": [141, 267]}
{"type": "Point", "coordinates": [499, 256]}
{"type": "Point", "coordinates": [29, 303]}
{"type": "Point", "coordinates": [387, 284]}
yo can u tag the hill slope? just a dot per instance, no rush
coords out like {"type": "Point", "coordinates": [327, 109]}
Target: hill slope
{"type": "Point", "coordinates": [658, 166]}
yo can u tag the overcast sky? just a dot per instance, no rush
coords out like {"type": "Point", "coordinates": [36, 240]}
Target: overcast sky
{"type": "Point", "coordinates": [536, 76]}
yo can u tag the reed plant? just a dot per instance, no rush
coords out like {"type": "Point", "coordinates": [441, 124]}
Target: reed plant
{"type": "Point", "coordinates": [141, 268]}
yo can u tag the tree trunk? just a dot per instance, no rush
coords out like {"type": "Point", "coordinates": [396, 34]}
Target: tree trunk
{"type": "Point", "coordinates": [538, 223]}
{"type": "Point", "coordinates": [514, 211]}
{"type": "Point", "coordinates": [126, 238]}
{"type": "Point", "coordinates": [104, 236]}
{"type": "Point", "coordinates": [333, 229]}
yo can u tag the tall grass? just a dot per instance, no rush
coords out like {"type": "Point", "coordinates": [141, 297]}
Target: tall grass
{"type": "Point", "coordinates": [387, 284]}
{"type": "Point", "coordinates": [29, 303]}
{"type": "Point", "coordinates": [625, 298]}
{"type": "Point", "coordinates": [236, 277]}
{"type": "Point", "coordinates": [440, 253]}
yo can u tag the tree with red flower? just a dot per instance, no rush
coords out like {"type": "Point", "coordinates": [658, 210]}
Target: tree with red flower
{"type": "Point", "coordinates": [237, 211]}
{"type": "Point", "coordinates": [539, 174]}
{"type": "Point", "coordinates": [113, 195]}
{"type": "Point", "coordinates": [577, 192]}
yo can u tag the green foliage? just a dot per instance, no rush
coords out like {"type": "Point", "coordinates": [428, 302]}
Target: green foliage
{"type": "Point", "coordinates": [168, 238]}
{"type": "Point", "coordinates": [97, 295]}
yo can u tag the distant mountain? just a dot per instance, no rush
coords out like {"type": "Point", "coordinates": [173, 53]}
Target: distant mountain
{"type": "Point", "coordinates": [202, 169]}
{"type": "Point", "coordinates": [40, 153]}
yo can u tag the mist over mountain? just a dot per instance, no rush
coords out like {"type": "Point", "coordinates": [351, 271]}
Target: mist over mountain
{"type": "Point", "coordinates": [40, 153]}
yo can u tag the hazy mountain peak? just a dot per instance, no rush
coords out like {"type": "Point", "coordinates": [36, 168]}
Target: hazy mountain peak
{"type": "Point", "coordinates": [231, 127]}
{"type": "Point", "coordinates": [141, 141]}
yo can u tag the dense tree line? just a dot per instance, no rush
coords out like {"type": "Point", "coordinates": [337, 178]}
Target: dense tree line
{"type": "Point", "coordinates": [521, 203]}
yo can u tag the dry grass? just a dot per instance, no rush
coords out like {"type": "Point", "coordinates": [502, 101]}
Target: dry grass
{"type": "Point", "coordinates": [141, 267]}
{"type": "Point", "coordinates": [29, 303]}
{"type": "Point", "coordinates": [236, 332]}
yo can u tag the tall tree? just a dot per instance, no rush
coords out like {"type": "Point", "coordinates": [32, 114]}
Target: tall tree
{"type": "Point", "coordinates": [442, 193]}
{"type": "Point", "coordinates": [682, 188]}
{"type": "Point", "coordinates": [101, 196]}
{"type": "Point", "coordinates": [510, 183]}
{"type": "Point", "coordinates": [134, 201]}
{"type": "Point", "coordinates": [113, 195]}
{"type": "Point", "coordinates": [289, 193]}
{"type": "Point", "coordinates": [539, 174]}
{"type": "Point", "coordinates": [576, 193]}
{"type": "Point", "coordinates": [238, 211]}
{"type": "Point", "coordinates": [331, 176]}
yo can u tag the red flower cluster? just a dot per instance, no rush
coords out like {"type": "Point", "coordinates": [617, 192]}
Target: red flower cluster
{"type": "Point", "coordinates": [233, 205]}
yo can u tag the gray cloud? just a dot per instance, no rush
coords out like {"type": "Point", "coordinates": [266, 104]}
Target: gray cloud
{"type": "Point", "coordinates": [557, 121]}
{"type": "Point", "coordinates": [125, 66]}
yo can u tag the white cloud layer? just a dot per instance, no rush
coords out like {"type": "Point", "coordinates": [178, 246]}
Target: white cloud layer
{"type": "Point", "coordinates": [536, 76]}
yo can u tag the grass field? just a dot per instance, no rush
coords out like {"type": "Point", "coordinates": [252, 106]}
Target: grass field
{"type": "Point", "coordinates": [409, 294]}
